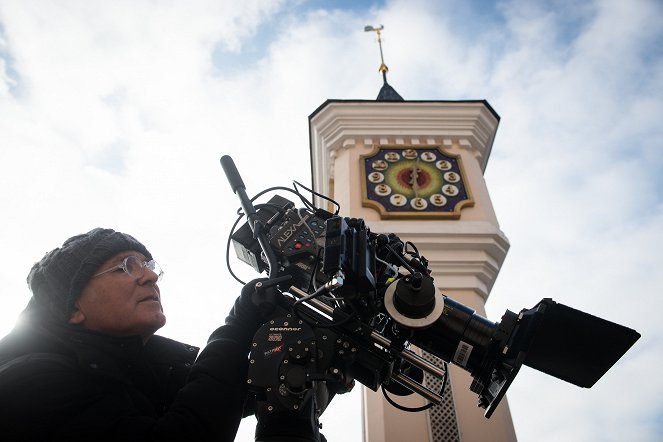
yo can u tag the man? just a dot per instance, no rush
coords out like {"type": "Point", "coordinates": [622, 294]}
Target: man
{"type": "Point", "coordinates": [83, 363]}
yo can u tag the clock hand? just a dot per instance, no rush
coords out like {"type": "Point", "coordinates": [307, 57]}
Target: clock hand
{"type": "Point", "coordinates": [414, 178]}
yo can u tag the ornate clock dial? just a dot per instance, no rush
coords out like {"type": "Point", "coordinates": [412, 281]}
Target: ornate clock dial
{"type": "Point", "coordinates": [405, 182]}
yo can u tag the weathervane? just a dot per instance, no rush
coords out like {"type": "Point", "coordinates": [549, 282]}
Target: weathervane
{"type": "Point", "coordinates": [387, 93]}
{"type": "Point", "coordinates": [383, 67]}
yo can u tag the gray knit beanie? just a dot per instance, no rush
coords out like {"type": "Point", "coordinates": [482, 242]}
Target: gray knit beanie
{"type": "Point", "coordinates": [57, 280]}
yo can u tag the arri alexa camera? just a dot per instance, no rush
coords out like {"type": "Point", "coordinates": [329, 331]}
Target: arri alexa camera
{"type": "Point", "coordinates": [346, 304]}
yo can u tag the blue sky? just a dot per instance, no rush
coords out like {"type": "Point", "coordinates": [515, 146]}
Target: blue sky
{"type": "Point", "coordinates": [116, 114]}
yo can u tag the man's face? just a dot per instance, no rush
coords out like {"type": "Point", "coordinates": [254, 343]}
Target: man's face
{"type": "Point", "coordinates": [120, 305]}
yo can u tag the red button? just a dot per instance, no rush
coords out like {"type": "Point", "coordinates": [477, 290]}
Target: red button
{"type": "Point", "coordinates": [298, 245]}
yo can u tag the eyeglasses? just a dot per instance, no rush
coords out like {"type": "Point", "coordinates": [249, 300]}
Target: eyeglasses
{"type": "Point", "coordinates": [135, 268]}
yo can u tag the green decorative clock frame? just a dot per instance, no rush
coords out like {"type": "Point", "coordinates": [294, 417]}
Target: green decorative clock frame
{"type": "Point", "coordinates": [414, 182]}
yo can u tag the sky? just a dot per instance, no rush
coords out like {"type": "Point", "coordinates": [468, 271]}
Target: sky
{"type": "Point", "coordinates": [115, 114]}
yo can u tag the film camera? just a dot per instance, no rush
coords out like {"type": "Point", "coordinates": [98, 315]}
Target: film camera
{"type": "Point", "coordinates": [348, 303]}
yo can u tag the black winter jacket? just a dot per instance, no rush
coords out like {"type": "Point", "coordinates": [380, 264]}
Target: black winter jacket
{"type": "Point", "coordinates": [62, 383]}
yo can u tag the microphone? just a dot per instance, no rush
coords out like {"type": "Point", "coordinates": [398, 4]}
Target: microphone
{"type": "Point", "coordinates": [237, 185]}
{"type": "Point", "coordinates": [232, 174]}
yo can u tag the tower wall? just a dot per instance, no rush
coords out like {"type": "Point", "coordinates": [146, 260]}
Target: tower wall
{"type": "Point", "coordinates": [465, 254]}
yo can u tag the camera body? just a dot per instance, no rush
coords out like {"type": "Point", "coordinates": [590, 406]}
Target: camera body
{"type": "Point", "coordinates": [352, 302]}
{"type": "Point", "coordinates": [347, 304]}
{"type": "Point", "coordinates": [295, 235]}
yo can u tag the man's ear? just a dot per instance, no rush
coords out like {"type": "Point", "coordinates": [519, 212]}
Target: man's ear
{"type": "Point", "coordinates": [77, 316]}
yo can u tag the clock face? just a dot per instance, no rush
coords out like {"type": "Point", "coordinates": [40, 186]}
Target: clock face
{"type": "Point", "coordinates": [405, 182]}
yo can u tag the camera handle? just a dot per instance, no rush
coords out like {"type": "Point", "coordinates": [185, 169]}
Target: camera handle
{"type": "Point", "coordinates": [257, 227]}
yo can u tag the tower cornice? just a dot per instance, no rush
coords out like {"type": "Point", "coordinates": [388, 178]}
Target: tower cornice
{"type": "Point", "coordinates": [338, 124]}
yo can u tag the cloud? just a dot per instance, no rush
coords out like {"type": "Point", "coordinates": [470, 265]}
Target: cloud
{"type": "Point", "coordinates": [116, 114]}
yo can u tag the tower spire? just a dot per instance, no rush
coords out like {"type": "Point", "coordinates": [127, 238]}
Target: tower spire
{"type": "Point", "coordinates": [387, 93]}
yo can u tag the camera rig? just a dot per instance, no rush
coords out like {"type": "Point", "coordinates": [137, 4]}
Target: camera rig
{"type": "Point", "coordinates": [347, 304]}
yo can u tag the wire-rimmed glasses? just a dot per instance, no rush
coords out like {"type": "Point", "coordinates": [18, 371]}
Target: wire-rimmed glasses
{"type": "Point", "coordinates": [135, 267]}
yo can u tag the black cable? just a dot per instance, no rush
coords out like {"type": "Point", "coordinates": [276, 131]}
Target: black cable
{"type": "Point", "coordinates": [232, 230]}
{"type": "Point", "coordinates": [241, 214]}
{"type": "Point", "coordinates": [305, 201]}
{"type": "Point", "coordinates": [311, 282]}
{"type": "Point", "coordinates": [404, 263]}
{"type": "Point", "coordinates": [271, 189]}
{"type": "Point", "coordinates": [415, 252]}
{"type": "Point", "coordinates": [315, 294]}
{"type": "Point", "coordinates": [423, 407]}
{"type": "Point", "coordinates": [401, 407]}
{"type": "Point", "coordinates": [326, 198]}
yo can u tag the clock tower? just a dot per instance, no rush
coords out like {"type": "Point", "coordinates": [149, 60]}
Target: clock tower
{"type": "Point", "coordinates": [415, 169]}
